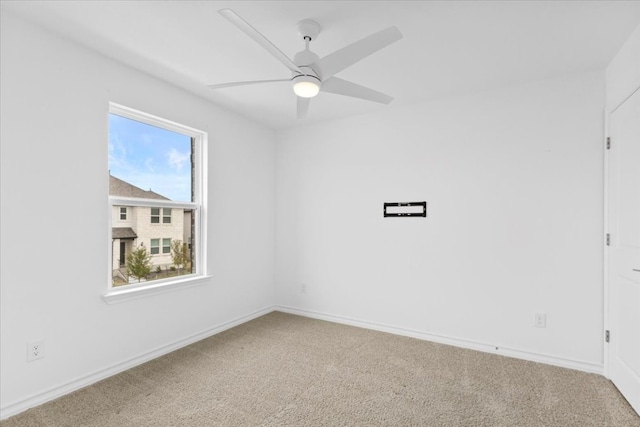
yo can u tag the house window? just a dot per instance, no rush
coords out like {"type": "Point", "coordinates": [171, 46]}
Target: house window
{"type": "Point", "coordinates": [166, 246]}
{"type": "Point", "coordinates": [156, 170]}
{"type": "Point", "coordinates": [155, 215]}
{"type": "Point", "coordinates": [155, 246]}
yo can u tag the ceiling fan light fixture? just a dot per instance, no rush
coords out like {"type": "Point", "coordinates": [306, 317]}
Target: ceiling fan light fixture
{"type": "Point", "coordinates": [306, 86]}
{"type": "Point", "coordinates": [310, 73]}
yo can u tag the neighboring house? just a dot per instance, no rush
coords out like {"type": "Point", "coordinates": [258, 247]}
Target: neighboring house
{"type": "Point", "coordinates": [152, 227]}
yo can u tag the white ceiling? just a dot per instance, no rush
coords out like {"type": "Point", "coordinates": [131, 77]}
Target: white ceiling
{"type": "Point", "coordinates": [449, 47]}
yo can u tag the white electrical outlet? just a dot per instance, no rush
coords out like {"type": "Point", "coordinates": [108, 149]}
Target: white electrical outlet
{"type": "Point", "coordinates": [540, 320]}
{"type": "Point", "coordinates": [35, 350]}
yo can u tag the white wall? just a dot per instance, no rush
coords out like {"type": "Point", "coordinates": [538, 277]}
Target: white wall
{"type": "Point", "coordinates": [54, 218]}
{"type": "Point", "coordinates": [513, 182]}
{"type": "Point", "coordinates": [623, 73]}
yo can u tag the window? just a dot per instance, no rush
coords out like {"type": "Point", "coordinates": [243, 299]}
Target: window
{"type": "Point", "coordinates": [155, 246]}
{"type": "Point", "coordinates": [156, 183]}
{"type": "Point", "coordinates": [155, 215]}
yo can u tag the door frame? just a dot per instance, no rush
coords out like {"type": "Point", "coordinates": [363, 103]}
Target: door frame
{"type": "Point", "coordinates": [605, 270]}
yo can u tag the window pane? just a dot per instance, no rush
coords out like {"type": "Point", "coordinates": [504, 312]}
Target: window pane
{"type": "Point", "coordinates": [149, 162]}
{"type": "Point", "coordinates": [155, 211]}
{"type": "Point", "coordinates": [166, 215]}
{"type": "Point", "coordinates": [155, 220]}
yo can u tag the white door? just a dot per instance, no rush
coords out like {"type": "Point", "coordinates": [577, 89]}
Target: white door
{"type": "Point", "coordinates": [624, 249]}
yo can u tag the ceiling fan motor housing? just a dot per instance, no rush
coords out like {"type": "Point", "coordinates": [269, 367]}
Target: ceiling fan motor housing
{"type": "Point", "coordinates": [306, 85]}
{"type": "Point", "coordinates": [303, 60]}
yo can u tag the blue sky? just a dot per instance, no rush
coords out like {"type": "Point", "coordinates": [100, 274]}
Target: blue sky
{"type": "Point", "coordinates": [150, 157]}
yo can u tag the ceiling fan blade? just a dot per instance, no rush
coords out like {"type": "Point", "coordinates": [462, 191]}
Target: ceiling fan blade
{"type": "Point", "coordinates": [343, 87]}
{"type": "Point", "coordinates": [349, 55]}
{"type": "Point", "coordinates": [245, 27]}
{"type": "Point", "coordinates": [223, 85]}
{"type": "Point", "coordinates": [303, 106]}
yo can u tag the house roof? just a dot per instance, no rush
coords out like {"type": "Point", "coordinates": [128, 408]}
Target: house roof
{"type": "Point", "coordinates": [118, 187]}
{"type": "Point", "coordinates": [123, 233]}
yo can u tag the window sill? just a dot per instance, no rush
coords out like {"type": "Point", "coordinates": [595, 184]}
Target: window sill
{"type": "Point", "coordinates": [115, 296]}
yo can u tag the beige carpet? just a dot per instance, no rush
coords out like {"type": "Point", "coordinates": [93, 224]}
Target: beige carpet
{"type": "Point", "coordinates": [285, 370]}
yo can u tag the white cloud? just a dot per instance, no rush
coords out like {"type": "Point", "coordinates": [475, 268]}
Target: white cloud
{"type": "Point", "coordinates": [117, 153]}
{"type": "Point", "coordinates": [177, 160]}
{"type": "Point", "coordinates": [149, 164]}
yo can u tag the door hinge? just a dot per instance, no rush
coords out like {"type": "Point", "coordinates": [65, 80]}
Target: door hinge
{"type": "Point", "coordinates": [608, 143]}
{"type": "Point", "coordinates": [608, 239]}
{"type": "Point", "coordinates": [607, 336]}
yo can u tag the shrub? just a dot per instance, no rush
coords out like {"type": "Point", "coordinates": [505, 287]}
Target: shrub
{"type": "Point", "coordinates": [139, 263]}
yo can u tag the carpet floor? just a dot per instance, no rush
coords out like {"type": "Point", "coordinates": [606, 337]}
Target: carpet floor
{"type": "Point", "coordinates": [286, 370]}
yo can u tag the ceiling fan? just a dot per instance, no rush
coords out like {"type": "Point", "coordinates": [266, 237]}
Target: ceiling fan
{"type": "Point", "coordinates": [311, 74]}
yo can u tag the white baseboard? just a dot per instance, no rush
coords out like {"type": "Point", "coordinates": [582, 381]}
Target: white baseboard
{"type": "Point", "coordinates": [458, 342]}
{"type": "Point", "coordinates": [53, 393]}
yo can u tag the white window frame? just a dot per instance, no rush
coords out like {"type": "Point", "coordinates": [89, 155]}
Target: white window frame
{"type": "Point", "coordinates": [198, 207]}
{"type": "Point", "coordinates": [123, 211]}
